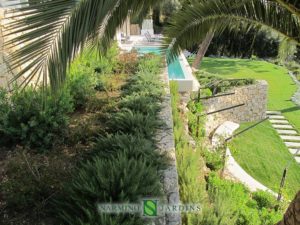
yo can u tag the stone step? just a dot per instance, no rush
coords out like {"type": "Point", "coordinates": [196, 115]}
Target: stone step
{"type": "Point", "coordinates": [277, 117]}
{"type": "Point", "coordinates": [297, 158]}
{"type": "Point", "coordinates": [293, 151]}
{"type": "Point", "coordinates": [278, 126]}
{"type": "Point", "coordinates": [290, 138]}
{"type": "Point", "coordinates": [279, 121]}
{"type": "Point", "coordinates": [292, 144]}
{"type": "Point", "coordinates": [273, 113]}
{"type": "Point", "coordinates": [290, 132]}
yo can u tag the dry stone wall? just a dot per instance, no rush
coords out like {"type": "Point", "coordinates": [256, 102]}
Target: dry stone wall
{"type": "Point", "coordinates": [253, 96]}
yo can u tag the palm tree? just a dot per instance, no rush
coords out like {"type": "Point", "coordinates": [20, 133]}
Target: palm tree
{"type": "Point", "coordinates": [292, 214]}
{"type": "Point", "coordinates": [52, 32]}
{"type": "Point", "coordinates": [193, 23]}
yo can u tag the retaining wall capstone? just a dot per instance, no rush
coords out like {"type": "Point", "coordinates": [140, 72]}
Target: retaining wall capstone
{"type": "Point", "coordinates": [253, 96]}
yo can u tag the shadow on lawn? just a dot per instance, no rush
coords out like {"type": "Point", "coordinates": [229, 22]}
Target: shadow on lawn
{"type": "Point", "coordinates": [291, 109]}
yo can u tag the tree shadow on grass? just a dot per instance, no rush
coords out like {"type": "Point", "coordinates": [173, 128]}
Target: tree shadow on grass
{"type": "Point", "coordinates": [291, 109]}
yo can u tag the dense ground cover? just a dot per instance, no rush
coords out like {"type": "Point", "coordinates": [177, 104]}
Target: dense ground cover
{"type": "Point", "coordinates": [260, 151]}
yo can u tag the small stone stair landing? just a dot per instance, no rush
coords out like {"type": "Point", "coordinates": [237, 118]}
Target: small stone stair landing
{"type": "Point", "coordinates": [287, 133]}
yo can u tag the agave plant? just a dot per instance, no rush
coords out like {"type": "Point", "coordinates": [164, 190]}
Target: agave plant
{"type": "Point", "coordinates": [191, 25]}
{"type": "Point", "coordinates": [50, 33]}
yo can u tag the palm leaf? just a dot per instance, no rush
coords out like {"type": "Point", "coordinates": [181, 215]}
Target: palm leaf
{"type": "Point", "coordinates": [190, 26]}
{"type": "Point", "coordinates": [53, 32]}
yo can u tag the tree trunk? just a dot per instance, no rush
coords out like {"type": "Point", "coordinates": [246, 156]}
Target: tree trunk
{"type": "Point", "coordinates": [202, 50]}
{"type": "Point", "coordinates": [292, 214]}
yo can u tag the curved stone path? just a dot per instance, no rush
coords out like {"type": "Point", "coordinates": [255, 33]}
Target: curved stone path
{"type": "Point", "coordinates": [287, 133]}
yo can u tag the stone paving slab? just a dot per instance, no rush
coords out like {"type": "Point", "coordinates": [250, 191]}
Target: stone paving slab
{"type": "Point", "coordinates": [294, 151]}
{"type": "Point", "coordinates": [273, 113]}
{"type": "Point", "coordinates": [290, 138]}
{"type": "Point", "coordinates": [292, 144]}
{"type": "Point", "coordinates": [277, 117]}
{"type": "Point", "coordinates": [287, 132]}
{"type": "Point", "coordinates": [297, 158]}
{"type": "Point", "coordinates": [279, 121]}
{"type": "Point", "coordinates": [278, 126]}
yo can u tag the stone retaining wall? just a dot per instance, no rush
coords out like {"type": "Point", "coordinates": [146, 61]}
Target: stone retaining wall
{"type": "Point", "coordinates": [166, 144]}
{"type": "Point", "coordinates": [253, 96]}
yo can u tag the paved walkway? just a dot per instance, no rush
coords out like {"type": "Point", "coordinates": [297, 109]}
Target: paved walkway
{"type": "Point", "coordinates": [287, 133]}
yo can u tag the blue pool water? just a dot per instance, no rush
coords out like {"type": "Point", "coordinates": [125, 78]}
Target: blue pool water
{"type": "Point", "coordinates": [175, 70]}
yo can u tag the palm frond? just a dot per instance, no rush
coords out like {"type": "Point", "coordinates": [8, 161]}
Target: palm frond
{"type": "Point", "coordinates": [190, 26]}
{"type": "Point", "coordinates": [53, 32]}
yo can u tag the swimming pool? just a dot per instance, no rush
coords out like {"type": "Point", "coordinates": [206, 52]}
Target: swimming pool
{"type": "Point", "coordinates": [175, 70]}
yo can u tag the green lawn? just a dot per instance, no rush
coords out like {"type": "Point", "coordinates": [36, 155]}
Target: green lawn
{"type": "Point", "coordinates": [260, 151]}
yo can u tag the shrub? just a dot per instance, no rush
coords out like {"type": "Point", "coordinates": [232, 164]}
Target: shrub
{"type": "Point", "coordinates": [82, 88]}
{"type": "Point", "coordinates": [213, 159]}
{"type": "Point", "coordinates": [241, 203]}
{"type": "Point", "coordinates": [102, 181]}
{"type": "Point", "coordinates": [134, 123]}
{"type": "Point", "coordinates": [264, 199]}
{"type": "Point", "coordinates": [134, 147]}
{"type": "Point", "coordinates": [147, 81]}
{"type": "Point", "coordinates": [34, 119]}
{"type": "Point", "coordinates": [140, 103]}
{"type": "Point", "coordinates": [194, 109]}
{"type": "Point", "coordinates": [92, 61]}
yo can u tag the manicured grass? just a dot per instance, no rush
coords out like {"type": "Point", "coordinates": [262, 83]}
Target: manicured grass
{"type": "Point", "coordinates": [260, 151]}
{"type": "Point", "coordinates": [262, 154]}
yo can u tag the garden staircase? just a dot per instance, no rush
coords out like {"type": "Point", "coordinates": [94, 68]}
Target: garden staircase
{"type": "Point", "coordinates": [287, 133]}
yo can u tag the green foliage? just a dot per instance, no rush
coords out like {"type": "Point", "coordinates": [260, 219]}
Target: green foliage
{"type": "Point", "coordinates": [140, 103]}
{"type": "Point", "coordinates": [216, 84]}
{"type": "Point", "coordinates": [123, 168]}
{"type": "Point", "coordinates": [120, 179]}
{"type": "Point", "coordinates": [225, 202]}
{"type": "Point", "coordinates": [247, 210]}
{"type": "Point", "coordinates": [147, 81]}
{"type": "Point", "coordinates": [82, 88]}
{"type": "Point", "coordinates": [213, 159]}
{"type": "Point", "coordinates": [134, 146]}
{"type": "Point", "coordinates": [264, 199]}
{"type": "Point", "coordinates": [136, 123]}
{"type": "Point", "coordinates": [34, 119]}
{"type": "Point", "coordinates": [189, 162]}
{"type": "Point", "coordinates": [194, 122]}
